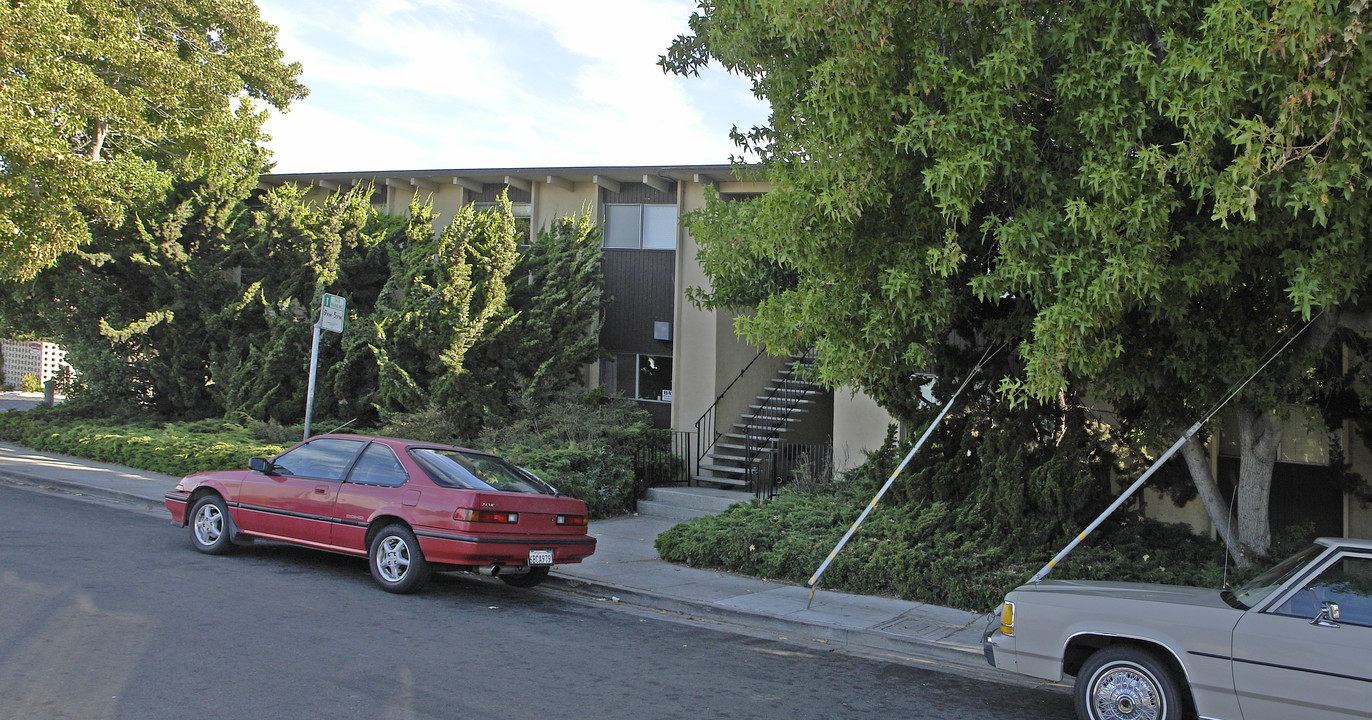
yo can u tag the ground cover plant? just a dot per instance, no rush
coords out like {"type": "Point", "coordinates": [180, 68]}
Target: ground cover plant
{"type": "Point", "coordinates": [170, 448]}
{"type": "Point", "coordinates": [584, 444]}
{"type": "Point", "coordinates": [990, 501]}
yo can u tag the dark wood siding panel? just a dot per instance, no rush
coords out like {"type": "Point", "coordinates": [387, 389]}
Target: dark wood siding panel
{"type": "Point", "coordinates": [490, 192]}
{"type": "Point", "coordinates": [631, 192]}
{"type": "Point", "coordinates": [641, 286]}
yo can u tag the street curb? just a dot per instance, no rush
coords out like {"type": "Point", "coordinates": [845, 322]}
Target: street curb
{"type": "Point", "coordinates": [847, 638]}
{"type": "Point", "coordinates": [39, 482]}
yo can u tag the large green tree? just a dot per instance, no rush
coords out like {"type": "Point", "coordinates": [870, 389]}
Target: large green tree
{"type": "Point", "coordinates": [444, 292]}
{"type": "Point", "coordinates": [556, 296]}
{"type": "Point", "coordinates": [101, 101]}
{"type": "Point", "coordinates": [1112, 188]}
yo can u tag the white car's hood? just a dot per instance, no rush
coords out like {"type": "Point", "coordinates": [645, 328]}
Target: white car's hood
{"type": "Point", "coordinates": [1141, 592]}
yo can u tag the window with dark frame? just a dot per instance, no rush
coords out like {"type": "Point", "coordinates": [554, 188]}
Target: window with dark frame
{"type": "Point", "coordinates": [640, 227]}
{"type": "Point", "coordinates": [641, 377]}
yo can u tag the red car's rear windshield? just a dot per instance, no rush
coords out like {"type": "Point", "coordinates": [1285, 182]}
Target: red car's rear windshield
{"type": "Point", "coordinates": [477, 471]}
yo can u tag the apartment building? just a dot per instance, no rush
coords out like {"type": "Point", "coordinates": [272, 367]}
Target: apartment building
{"type": "Point", "coordinates": [737, 403]}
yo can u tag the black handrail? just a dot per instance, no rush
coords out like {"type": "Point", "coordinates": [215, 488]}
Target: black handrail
{"type": "Point", "coordinates": [702, 447]}
{"type": "Point", "coordinates": [755, 450]}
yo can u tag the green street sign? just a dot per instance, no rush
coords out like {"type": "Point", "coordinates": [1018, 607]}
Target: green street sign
{"type": "Point", "coordinates": [331, 313]}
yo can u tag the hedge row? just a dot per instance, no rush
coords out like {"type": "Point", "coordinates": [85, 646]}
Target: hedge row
{"type": "Point", "coordinates": [167, 448]}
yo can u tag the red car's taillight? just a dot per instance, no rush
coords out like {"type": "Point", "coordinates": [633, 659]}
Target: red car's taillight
{"type": "Point", "coordinates": [571, 520]}
{"type": "Point", "coordinates": [487, 516]}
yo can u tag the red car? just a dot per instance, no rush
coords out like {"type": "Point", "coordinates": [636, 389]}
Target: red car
{"type": "Point", "coordinates": [408, 507]}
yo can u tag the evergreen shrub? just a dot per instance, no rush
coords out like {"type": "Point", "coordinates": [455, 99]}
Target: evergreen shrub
{"type": "Point", "coordinates": [583, 443]}
{"type": "Point", "coordinates": [990, 500]}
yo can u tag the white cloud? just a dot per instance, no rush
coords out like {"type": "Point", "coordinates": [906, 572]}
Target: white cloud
{"type": "Point", "coordinates": [429, 84]}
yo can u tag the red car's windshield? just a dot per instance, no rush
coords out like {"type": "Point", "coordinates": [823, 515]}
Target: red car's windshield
{"type": "Point", "coordinates": [478, 471]}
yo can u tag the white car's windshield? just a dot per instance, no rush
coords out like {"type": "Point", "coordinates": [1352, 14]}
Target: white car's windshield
{"type": "Point", "coordinates": [1253, 591]}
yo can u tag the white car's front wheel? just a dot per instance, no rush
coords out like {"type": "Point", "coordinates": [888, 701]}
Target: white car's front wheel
{"type": "Point", "coordinates": [1123, 682]}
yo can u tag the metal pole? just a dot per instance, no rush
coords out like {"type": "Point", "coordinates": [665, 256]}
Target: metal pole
{"type": "Point", "coordinates": [309, 394]}
{"type": "Point", "coordinates": [1118, 502]}
{"type": "Point", "coordinates": [814, 579]}
{"type": "Point", "coordinates": [1170, 451]}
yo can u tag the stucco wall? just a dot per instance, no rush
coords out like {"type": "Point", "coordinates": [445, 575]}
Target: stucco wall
{"type": "Point", "coordinates": [859, 427]}
{"type": "Point", "coordinates": [694, 330]}
{"type": "Point", "coordinates": [552, 202]}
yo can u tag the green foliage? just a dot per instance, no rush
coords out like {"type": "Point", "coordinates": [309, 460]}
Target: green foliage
{"type": "Point", "coordinates": [168, 448]}
{"type": "Point", "coordinates": [1138, 198]}
{"type": "Point", "coordinates": [29, 383]}
{"type": "Point", "coordinates": [443, 294]}
{"type": "Point", "coordinates": [582, 444]}
{"type": "Point", "coordinates": [135, 307]}
{"type": "Point", "coordinates": [1083, 161]}
{"type": "Point", "coordinates": [292, 253]}
{"type": "Point", "coordinates": [551, 334]}
{"type": "Point", "coordinates": [955, 551]}
{"type": "Point", "coordinates": [105, 101]}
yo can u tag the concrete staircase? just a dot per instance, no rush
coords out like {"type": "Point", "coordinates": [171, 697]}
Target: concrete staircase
{"type": "Point", "coordinates": [688, 503]}
{"type": "Point", "coordinates": [781, 407]}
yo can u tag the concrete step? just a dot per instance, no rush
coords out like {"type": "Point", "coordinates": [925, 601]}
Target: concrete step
{"type": "Point", "coordinates": [725, 469]}
{"type": "Point", "coordinates": [688, 503]}
{"type": "Point", "coordinates": [725, 457]}
{"type": "Point", "coordinates": [727, 481]}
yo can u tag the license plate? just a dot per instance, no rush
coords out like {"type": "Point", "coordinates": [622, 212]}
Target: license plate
{"type": "Point", "coordinates": [540, 557]}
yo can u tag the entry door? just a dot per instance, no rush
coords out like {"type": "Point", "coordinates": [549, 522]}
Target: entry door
{"type": "Point", "coordinates": [296, 500]}
{"type": "Point", "coordinates": [1287, 667]}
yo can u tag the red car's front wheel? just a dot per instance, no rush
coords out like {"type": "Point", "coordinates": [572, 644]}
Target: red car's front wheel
{"type": "Point", "coordinates": [210, 525]}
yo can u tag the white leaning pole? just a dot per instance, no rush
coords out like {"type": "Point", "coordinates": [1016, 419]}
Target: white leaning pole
{"type": "Point", "coordinates": [1118, 502]}
{"type": "Point", "coordinates": [814, 579]}
{"type": "Point", "coordinates": [1158, 463]}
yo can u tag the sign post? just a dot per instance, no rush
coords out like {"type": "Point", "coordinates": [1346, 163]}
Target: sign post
{"type": "Point", "coordinates": [331, 313]}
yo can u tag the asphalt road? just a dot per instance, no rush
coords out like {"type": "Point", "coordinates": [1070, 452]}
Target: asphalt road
{"type": "Point", "coordinates": [107, 613]}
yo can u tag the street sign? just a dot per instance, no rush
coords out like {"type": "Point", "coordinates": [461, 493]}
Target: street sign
{"type": "Point", "coordinates": [332, 312]}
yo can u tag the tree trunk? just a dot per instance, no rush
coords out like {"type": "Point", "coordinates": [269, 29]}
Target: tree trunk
{"type": "Point", "coordinates": [1198, 462]}
{"type": "Point", "coordinates": [102, 129]}
{"type": "Point", "coordinates": [1259, 436]}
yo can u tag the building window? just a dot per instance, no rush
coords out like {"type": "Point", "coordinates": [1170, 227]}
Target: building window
{"type": "Point", "coordinates": [640, 227]}
{"type": "Point", "coordinates": [523, 217]}
{"type": "Point", "coordinates": [642, 377]}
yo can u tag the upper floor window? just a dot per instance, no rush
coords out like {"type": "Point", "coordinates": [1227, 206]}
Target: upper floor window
{"type": "Point", "coordinates": [640, 227]}
{"type": "Point", "coordinates": [523, 217]}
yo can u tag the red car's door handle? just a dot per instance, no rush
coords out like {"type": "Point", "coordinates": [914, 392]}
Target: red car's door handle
{"type": "Point", "coordinates": [321, 490]}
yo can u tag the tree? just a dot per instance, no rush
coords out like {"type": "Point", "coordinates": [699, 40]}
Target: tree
{"type": "Point", "coordinates": [102, 101]}
{"type": "Point", "coordinates": [444, 292]}
{"type": "Point", "coordinates": [289, 254]}
{"type": "Point", "coordinates": [555, 301]}
{"type": "Point", "coordinates": [1088, 182]}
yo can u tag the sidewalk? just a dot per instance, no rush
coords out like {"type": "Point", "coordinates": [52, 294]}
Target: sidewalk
{"type": "Point", "coordinates": [626, 568]}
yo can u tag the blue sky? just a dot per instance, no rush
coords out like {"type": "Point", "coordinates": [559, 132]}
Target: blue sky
{"type": "Point", "coordinates": [428, 84]}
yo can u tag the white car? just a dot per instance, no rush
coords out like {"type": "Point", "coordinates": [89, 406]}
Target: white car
{"type": "Point", "coordinates": [1295, 643]}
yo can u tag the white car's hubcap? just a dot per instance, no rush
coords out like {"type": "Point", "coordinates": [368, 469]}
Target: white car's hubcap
{"type": "Point", "coordinates": [1124, 693]}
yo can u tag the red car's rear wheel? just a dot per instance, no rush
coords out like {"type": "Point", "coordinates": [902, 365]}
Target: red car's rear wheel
{"type": "Point", "coordinates": [397, 563]}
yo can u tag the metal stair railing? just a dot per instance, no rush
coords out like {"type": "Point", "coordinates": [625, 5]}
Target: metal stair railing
{"type": "Point", "coordinates": [753, 457]}
{"type": "Point", "coordinates": [703, 448]}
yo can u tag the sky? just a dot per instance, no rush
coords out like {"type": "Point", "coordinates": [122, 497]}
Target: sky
{"type": "Point", "coordinates": [435, 84]}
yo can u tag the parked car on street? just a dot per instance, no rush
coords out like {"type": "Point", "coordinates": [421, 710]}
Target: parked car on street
{"type": "Point", "coordinates": [409, 507]}
{"type": "Point", "coordinates": [1295, 643]}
